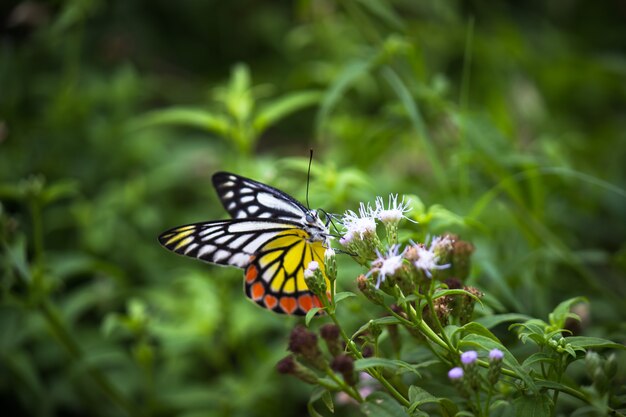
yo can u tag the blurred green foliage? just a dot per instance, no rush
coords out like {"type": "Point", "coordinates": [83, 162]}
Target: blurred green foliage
{"type": "Point", "coordinates": [504, 120]}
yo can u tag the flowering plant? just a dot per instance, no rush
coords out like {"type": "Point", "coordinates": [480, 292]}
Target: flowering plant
{"type": "Point", "coordinates": [421, 288]}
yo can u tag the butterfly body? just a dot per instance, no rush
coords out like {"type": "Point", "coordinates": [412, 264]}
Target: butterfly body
{"type": "Point", "coordinates": [271, 236]}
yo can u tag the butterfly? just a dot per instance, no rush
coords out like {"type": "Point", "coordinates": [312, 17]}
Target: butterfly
{"type": "Point", "coordinates": [271, 236]}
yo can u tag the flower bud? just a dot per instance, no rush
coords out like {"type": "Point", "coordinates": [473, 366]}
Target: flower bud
{"type": "Point", "coordinates": [314, 279]}
{"type": "Point", "coordinates": [460, 259]}
{"type": "Point", "coordinates": [469, 358]}
{"type": "Point", "coordinates": [344, 364]}
{"type": "Point", "coordinates": [457, 377]}
{"type": "Point", "coordinates": [610, 366]}
{"type": "Point", "coordinates": [304, 343]}
{"type": "Point", "coordinates": [600, 381]}
{"type": "Point", "coordinates": [367, 351]}
{"type": "Point", "coordinates": [374, 329]}
{"type": "Point", "coordinates": [455, 373]}
{"type": "Point", "coordinates": [495, 366]}
{"type": "Point", "coordinates": [369, 290]}
{"type": "Point", "coordinates": [468, 361]}
{"type": "Point", "coordinates": [331, 264]}
{"type": "Point", "coordinates": [467, 303]}
{"type": "Point", "coordinates": [330, 334]}
{"type": "Point", "coordinates": [290, 366]}
{"type": "Point", "coordinates": [592, 362]}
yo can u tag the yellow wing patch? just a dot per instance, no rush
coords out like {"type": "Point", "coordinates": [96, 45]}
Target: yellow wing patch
{"type": "Point", "coordinates": [276, 279]}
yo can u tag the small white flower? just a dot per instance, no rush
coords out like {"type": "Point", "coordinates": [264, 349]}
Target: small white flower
{"type": "Point", "coordinates": [313, 266]}
{"type": "Point", "coordinates": [427, 260]}
{"type": "Point", "coordinates": [359, 225]}
{"type": "Point", "coordinates": [346, 238]}
{"type": "Point", "coordinates": [387, 264]}
{"type": "Point", "coordinates": [395, 211]}
{"type": "Point", "coordinates": [329, 253]}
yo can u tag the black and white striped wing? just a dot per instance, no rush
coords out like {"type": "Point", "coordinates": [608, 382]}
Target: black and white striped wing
{"type": "Point", "coordinates": [246, 198]}
{"type": "Point", "coordinates": [224, 242]}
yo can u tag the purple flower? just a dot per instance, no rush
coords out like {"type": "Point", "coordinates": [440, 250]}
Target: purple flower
{"type": "Point", "coordinates": [455, 373]}
{"type": "Point", "coordinates": [496, 355]}
{"type": "Point", "coordinates": [469, 357]}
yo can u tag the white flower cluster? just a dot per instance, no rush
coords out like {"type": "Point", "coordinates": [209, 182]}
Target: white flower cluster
{"type": "Point", "coordinates": [364, 223]}
{"type": "Point", "coordinates": [394, 211]}
{"type": "Point", "coordinates": [386, 264]}
{"type": "Point", "coordinates": [427, 259]}
{"type": "Point", "coordinates": [361, 227]}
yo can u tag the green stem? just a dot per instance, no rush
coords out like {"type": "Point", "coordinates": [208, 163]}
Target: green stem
{"type": "Point", "coordinates": [565, 389]}
{"type": "Point", "coordinates": [351, 391]}
{"type": "Point", "coordinates": [488, 401]}
{"type": "Point", "coordinates": [373, 372]}
{"type": "Point", "coordinates": [479, 409]}
{"type": "Point", "coordinates": [433, 314]}
{"type": "Point", "coordinates": [555, 394]}
{"type": "Point", "coordinates": [444, 336]}
{"type": "Point", "coordinates": [35, 207]}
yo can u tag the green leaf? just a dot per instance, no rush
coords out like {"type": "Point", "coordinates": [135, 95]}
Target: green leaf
{"type": "Point", "coordinates": [347, 77]}
{"type": "Point", "coordinates": [593, 342]}
{"type": "Point", "coordinates": [448, 407]}
{"type": "Point", "coordinates": [185, 117]}
{"type": "Point", "coordinates": [562, 312]}
{"type": "Point", "coordinates": [59, 190]}
{"type": "Point", "coordinates": [533, 329]}
{"type": "Point", "coordinates": [316, 395]}
{"type": "Point", "coordinates": [238, 97]}
{"type": "Point", "coordinates": [24, 370]}
{"type": "Point", "coordinates": [536, 358]}
{"type": "Point", "coordinates": [443, 293]}
{"type": "Point", "coordinates": [501, 408]}
{"type": "Point", "coordinates": [419, 396]}
{"type": "Point", "coordinates": [16, 252]}
{"type": "Point", "coordinates": [414, 114]}
{"type": "Point", "coordinates": [280, 108]}
{"type": "Point", "coordinates": [310, 314]}
{"type": "Point", "coordinates": [340, 296]}
{"type": "Point", "coordinates": [486, 343]}
{"type": "Point", "coordinates": [328, 400]}
{"type": "Point", "coordinates": [492, 321]}
{"type": "Point", "coordinates": [539, 405]}
{"type": "Point", "coordinates": [393, 364]}
{"type": "Point", "coordinates": [383, 11]}
{"type": "Point", "coordinates": [477, 328]}
{"type": "Point", "coordinates": [380, 404]}
{"type": "Point", "coordinates": [387, 320]}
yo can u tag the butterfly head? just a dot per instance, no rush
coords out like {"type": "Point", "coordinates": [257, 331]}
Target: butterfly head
{"type": "Point", "coordinates": [314, 226]}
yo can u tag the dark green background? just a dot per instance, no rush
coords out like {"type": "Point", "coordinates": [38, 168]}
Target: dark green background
{"type": "Point", "coordinates": [508, 120]}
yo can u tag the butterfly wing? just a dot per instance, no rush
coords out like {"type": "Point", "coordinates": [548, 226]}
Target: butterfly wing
{"type": "Point", "coordinates": [246, 198]}
{"type": "Point", "coordinates": [224, 242]}
{"type": "Point", "coordinates": [274, 255]}
{"type": "Point", "coordinates": [275, 277]}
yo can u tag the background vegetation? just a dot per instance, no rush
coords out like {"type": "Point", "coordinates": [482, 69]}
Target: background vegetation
{"type": "Point", "coordinates": [505, 121]}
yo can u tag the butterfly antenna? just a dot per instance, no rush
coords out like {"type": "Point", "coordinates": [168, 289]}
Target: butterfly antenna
{"type": "Point", "coordinates": [330, 217]}
{"type": "Point", "coordinates": [308, 179]}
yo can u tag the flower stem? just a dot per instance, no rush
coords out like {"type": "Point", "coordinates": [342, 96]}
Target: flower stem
{"type": "Point", "coordinates": [433, 314]}
{"type": "Point", "coordinates": [373, 372]}
{"type": "Point", "coordinates": [351, 391]}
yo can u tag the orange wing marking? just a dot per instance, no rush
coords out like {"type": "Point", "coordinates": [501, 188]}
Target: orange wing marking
{"type": "Point", "coordinates": [257, 291]}
{"type": "Point", "coordinates": [288, 304]}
